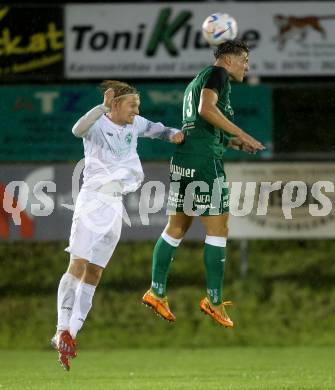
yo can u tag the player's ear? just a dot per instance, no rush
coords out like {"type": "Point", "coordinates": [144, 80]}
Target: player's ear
{"type": "Point", "coordinates": [115, 105]}
{"type": "Point", "coordinates": [228, 59]}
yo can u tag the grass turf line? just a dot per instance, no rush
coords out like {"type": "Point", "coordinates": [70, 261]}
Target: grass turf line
{"type": "Point", "coordinates": [173, 369]}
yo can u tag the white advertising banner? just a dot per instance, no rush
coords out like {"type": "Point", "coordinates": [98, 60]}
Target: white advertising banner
{"type": "Point", "coordinates": [164, 40]}
{"type": "Point", "coordinates": [282, 200]}
{"type": "Point", "coordinates": [267, 200]}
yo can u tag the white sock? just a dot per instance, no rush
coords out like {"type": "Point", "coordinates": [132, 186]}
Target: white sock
{"type": "Point", "coordinates": [171, 240]}
{"type": "Point", "coordinates": [81, 307]}
{"type": "Point", "coordinates": [65, 300]}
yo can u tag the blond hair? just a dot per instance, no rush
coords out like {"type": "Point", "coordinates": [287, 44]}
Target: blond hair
{"type": "Point", "coordinates": [120, 88]}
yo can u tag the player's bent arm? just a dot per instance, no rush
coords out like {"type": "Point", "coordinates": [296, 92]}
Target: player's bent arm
{"type": "Point", "coordinates": [82, 126]}
{"type": "Point", "coordinates": [209, 111]}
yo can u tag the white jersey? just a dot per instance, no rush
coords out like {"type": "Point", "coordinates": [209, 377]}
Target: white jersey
{"type": "Point", "coordinates": [111, 159]}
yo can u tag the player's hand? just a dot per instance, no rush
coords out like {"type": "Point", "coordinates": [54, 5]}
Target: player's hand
{"type": "Point", "coordinates": [248, 149]}
{"type": "Point", "coordinates": [177, 138]}
{"type": "Point", "coordinates": [108, 97]}
{"type": "Point", "coordinates": [251, 143]}
{"type": "Point", "coordinates": [236, 144]}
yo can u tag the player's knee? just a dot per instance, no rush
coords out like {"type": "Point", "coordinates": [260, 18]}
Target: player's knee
{"type": "Point", "coordinates": [219, 231]}
{"type": "Point", "coordinates": [92, 274]}
{"type": "Point", "coordinates": [77, 267]}
{"type": "Point", "coordinates": [176, 231]}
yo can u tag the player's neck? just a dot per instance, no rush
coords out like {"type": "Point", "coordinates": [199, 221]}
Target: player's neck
{"type": "Point", "coordinates": [222, 64]}
{"type": "Point", "coordinates": [115, 119]}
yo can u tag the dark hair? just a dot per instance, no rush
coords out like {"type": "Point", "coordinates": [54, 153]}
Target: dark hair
{"type": "Point", "coordinates": [236, 47]}
{"type": "Point", "coordinates": [120, 88]}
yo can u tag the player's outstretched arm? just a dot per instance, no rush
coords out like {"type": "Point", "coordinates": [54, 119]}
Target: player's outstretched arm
{"type": "Point", "coordinates": [150, 129]}
{"type": "Point", "coordinates": [82, 126]}
{"type": "Point", "coordinates": [208, 110]}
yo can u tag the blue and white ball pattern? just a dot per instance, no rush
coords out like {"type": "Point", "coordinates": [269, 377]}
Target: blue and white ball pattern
{"type": "Point", "coordinates": [218, 28]}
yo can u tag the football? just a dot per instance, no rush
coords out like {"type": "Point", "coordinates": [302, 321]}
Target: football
{"type": "Point", "coordinates": [218, 28]}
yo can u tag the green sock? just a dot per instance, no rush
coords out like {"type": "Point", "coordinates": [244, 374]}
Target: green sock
{"type": "Point", "coordinates": [214, 258]}
{"type": "Point", "coordinates": [161, 260]}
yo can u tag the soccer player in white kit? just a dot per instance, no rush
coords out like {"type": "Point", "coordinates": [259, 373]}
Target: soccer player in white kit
{"type": "Point", "coordinates": [112, 168]}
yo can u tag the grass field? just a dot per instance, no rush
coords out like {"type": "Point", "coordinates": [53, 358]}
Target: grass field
{"type": "Point", "coordinates": [172, 369]}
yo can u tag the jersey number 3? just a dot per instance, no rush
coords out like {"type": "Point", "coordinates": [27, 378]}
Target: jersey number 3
{"type": "Point", "coordinates": [187, 106]}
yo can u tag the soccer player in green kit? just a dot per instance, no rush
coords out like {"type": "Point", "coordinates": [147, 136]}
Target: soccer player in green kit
{"type": "Point", "coordinates": [197, 178]}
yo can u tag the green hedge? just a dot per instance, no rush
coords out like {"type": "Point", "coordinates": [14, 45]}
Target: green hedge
{"type": "Point", "coordinates": [287, 297]}
{"type": "Point", "coordinates": [36, 267]}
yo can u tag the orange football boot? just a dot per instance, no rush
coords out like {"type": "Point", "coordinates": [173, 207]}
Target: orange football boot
{"type": "Point", "coordinates": [66, 345]}
{"type": "Point", "coordinates": [218, 313]}
{"type": "Point", "coordinates": [159, 305]}
{"type": "Point", "coordinates": [64, 361]}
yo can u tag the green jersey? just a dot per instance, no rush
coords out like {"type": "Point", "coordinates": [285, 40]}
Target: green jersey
{"type": "Point", "coordinates": [202, 138]}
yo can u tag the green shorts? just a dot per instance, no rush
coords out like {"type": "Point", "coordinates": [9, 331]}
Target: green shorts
{"type": "Point", "coordinates": [197, 186]}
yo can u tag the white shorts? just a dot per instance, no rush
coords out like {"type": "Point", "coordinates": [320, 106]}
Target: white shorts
{"type": "Point", "coordinates": [96, 227]}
